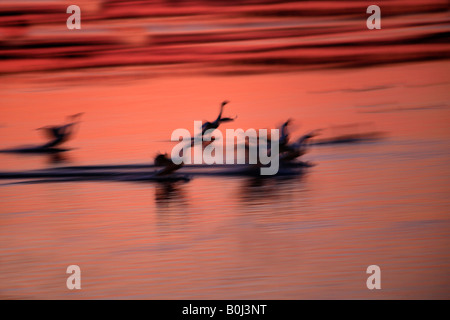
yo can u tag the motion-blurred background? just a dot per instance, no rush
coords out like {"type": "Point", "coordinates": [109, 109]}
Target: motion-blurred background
{"type": "Point", "coordinates": [141, 69]}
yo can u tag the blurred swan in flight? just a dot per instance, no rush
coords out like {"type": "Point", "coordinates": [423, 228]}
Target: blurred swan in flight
{"type": "Point", "coordinates": [163, 160]}
{"type": "Point", "coordinates": [216, 123]}
{"type": "Point", "coordinates": [62, 133]}
{"type": "Point", "coordinates": [211, 126]}
{"type": "Point", "coordinates": [291, 151]}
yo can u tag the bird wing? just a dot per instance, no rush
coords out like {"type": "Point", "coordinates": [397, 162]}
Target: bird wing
{"type": "Point", "coordinates": [303, 139]}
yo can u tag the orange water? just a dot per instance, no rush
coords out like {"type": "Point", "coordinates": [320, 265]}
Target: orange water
{"type": "Point", "coordinates": [311, 236]}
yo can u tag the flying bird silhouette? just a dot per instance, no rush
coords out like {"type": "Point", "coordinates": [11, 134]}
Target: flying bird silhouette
{"type": "Point", "coordinates": [60, 134]}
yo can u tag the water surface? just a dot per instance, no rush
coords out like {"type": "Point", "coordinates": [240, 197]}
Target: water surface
{"type": "Point", "coordinates": [383, 202]}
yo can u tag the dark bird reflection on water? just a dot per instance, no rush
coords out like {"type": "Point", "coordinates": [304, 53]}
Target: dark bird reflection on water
{"type": "Point", "coordinates": [263, 190]}
{"type": "Point", "coordinates": [172, 205]}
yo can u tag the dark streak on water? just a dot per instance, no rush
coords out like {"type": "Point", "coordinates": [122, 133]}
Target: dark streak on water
{"type": "Point", "coordinates": [311, 235]}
